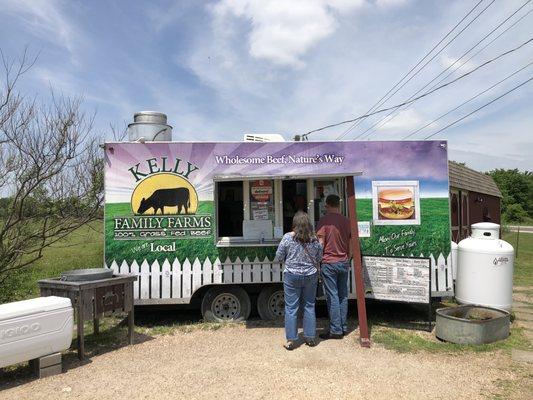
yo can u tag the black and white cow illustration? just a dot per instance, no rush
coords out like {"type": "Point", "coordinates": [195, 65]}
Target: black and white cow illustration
{"type": "Point", "coordinates": [161, 198]}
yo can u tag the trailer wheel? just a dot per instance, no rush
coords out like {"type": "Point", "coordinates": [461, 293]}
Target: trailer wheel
{"type": "Point", "coordinates": [271, 303]}
{"type": "Point", "coordinates": [226, 303]}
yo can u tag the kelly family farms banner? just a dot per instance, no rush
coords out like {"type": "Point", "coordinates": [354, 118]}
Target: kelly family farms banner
{"type": "Point", "coordinates": [160, 197]}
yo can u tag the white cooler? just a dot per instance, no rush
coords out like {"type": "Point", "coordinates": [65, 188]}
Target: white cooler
{"type": "Point", "coordinates": [34, 328]}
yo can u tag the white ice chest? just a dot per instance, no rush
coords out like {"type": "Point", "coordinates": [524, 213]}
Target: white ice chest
{"type": "Point", "coordinates": [34, 328]}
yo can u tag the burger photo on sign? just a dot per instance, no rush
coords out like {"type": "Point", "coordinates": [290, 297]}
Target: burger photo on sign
{"type": "Point", "coordinates": [396, 202]}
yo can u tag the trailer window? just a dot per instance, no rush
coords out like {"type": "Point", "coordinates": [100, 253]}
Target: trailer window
{"type": "Point", "coordinates": [230, 209]}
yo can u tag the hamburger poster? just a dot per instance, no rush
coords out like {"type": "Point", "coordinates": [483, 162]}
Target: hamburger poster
{"type": "Point", "coordinates": [395, 203]}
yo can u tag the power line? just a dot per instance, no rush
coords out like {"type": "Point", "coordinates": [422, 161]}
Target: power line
{"type": "Point", "coordinates": [377, 104]}
{"type": "Point", "coordinates": [478, 109]}
{"type": "Point", "coordinates": [467, 101]}
{"type": "Point", "coordinates": [484, 47]}
{"type": "Point", "coordinates": [422, 95]}
{"type": "Point", "coordinates": [431, 59]}
{"type": "Point", "coordinates": [379, 122]}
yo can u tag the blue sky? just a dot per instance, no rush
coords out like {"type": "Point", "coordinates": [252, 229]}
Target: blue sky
{"type": "Point", "coordinates": [223, 68]}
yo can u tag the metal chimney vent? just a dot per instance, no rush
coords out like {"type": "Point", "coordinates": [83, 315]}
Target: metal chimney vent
{"type": "Point", "coordinates": [149, 126]}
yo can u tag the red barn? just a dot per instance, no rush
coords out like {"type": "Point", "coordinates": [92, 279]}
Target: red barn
{"type": "Point", "coordinates": [474, 197]}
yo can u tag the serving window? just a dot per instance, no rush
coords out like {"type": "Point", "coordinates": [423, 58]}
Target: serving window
{"type": "Point", "coordinates": [257, 212]}
{"type": "Point", "coordinates": [247, 213]}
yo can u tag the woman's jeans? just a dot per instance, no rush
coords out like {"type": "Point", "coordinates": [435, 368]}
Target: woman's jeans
{"type": "Point", "coordinates": [299, 289]}
{"type": "Point", "coordinates": [335, 278]}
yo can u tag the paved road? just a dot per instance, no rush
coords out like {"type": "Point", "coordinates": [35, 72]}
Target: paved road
{"type": "Point", "coordinates": [525, 229]}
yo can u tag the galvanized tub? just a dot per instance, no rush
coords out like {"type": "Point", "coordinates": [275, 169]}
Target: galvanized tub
{"type": "Point", "coordinates": [472, 324]}
{"type": "Point", "coordinates": [88, 274]}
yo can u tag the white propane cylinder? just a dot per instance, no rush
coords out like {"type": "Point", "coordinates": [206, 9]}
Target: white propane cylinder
{"type": "Point", "coordinates": [455, 247]}
{"type": "Point", "coordinates": [485, 268]}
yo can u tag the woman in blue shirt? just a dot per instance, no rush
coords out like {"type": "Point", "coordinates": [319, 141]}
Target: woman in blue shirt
{"type": "Point", "coordinates": [301, 251]}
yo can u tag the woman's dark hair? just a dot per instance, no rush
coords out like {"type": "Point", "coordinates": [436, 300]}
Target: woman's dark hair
{"type": "Point", "coordinates": [303, 230]}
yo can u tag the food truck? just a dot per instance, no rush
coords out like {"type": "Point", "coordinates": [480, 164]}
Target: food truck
{"type": "Point", "coordinates": [199, 222]}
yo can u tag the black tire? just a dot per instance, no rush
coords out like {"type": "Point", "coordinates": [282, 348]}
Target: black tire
{"type": "Point", "coordinates": [270, 303]}
{"type": "Point", "coordinates": [226, 303]}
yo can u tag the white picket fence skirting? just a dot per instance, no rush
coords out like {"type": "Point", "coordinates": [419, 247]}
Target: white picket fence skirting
{"type": "Point", "coordinates": [175, 280]}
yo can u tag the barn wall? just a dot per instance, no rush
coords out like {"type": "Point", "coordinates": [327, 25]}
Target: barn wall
{"type": "Point", "coordinates": [455, 206]}
{"type": "Point", "coordinates": [483, 208]}
{"type": "Point", "coordinates": [470, 208]}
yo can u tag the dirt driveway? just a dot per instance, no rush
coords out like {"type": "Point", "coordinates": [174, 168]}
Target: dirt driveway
{"type": "Point", "coordinates": [240, 362]}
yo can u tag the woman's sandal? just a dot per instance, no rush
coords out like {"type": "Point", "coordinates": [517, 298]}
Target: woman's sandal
{"type": "Point", "coordinates": [290, 345]}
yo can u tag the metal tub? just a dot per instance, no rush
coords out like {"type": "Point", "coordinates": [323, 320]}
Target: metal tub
{"type": "Point", "coordinates": [472, 324]}
{"type": "Point", "coordinates": [88, 274]}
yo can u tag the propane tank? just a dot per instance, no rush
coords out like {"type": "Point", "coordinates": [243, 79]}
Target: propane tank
{"type": "Point", "coordinates": [485, 268]}
{"type": "Point", "coordinates": [454, 260]}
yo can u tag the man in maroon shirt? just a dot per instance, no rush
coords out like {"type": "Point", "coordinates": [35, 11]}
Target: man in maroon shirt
{"type": "Point", "coordinates": [333, 231]}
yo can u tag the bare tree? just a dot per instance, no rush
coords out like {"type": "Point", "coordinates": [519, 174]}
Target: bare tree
{"type": "Point", "coordinates": [119, 134]}
{"type": "Point", "coordinates": [51, 170]}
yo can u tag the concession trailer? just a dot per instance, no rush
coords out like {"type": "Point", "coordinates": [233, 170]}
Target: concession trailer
{"type": "Point", "coordinates": [199, 222]}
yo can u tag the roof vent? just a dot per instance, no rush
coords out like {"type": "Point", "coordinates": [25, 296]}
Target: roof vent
{"type": "Point", "coordinates": [149, 126]}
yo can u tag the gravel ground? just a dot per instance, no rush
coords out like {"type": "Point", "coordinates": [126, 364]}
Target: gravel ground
{"type": "Point", "coordinates": [250, 363]}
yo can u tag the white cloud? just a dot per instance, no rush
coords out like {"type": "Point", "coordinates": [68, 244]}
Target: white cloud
{"type": "Point", "coordinates": [283, 31]}
{"type": "Point", "coordinates": [456, 64]}
{"type": "Point", "coordinates": [404, 121]}
{"type": "Point", "coordinates": [45, 18]}
{"type": "Point", "coordinates": [390, 3]}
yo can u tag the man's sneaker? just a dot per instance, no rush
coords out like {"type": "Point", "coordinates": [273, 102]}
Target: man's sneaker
{"type": "Point", "coordinates": [329, 335]}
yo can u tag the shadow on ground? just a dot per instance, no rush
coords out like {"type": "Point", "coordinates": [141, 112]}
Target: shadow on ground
{"type": "Point", "coordinates": [113, 335]}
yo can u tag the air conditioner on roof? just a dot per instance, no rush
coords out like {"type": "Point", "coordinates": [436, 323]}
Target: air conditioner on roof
{"type": "Point", "coordinates": [263, 137]}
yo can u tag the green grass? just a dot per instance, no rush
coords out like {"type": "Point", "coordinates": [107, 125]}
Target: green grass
{"type": "Point", "coordinates": [82, 249]}
{"type": "Point", "coordinates": [403, 328]}
{"type": "Point", "coordinates": [407, 341]}
{"type": "Point", "coordinates": [523, 267]}
{"type": "Point", "coordinates": [432, 236]}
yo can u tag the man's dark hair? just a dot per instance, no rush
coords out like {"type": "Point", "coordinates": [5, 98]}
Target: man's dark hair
{"type": "Point", "coordinates": [333, 200]}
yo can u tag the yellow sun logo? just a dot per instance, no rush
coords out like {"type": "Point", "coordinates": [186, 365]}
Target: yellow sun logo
{"type": "Point", "coordinates": [164, 193]}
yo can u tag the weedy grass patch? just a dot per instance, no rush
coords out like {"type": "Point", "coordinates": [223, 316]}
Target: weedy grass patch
{"type": "Point", "coordinates": [523, 267]}
{"type": "Point", "coordinates": [408, 341]}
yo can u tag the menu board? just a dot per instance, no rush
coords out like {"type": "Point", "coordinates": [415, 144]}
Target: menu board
{"type": "Point", "coordinates": [262, 200]}
{"type": "Point", "coordinates": [397, 279]}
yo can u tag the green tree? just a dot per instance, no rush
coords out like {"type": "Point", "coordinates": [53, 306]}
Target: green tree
{"type": "Point", "coordinates": [515, 213]}
{"type": "Point", "coordinates": [50, 171]}
{"type": "Point", "coordinates": [516, 188]}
